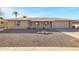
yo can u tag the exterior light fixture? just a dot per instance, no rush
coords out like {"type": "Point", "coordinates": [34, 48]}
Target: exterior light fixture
{"type": "Point", "coordinates": [36, 23]}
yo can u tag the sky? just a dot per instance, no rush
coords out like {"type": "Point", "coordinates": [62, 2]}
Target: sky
{"type": "Point", "coordinates": [53, 12]}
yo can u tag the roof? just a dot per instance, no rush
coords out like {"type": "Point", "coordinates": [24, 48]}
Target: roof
{"type": "Point", "coordinates": [16, 19]}
{"type": "Point", "coordinates": [48, 19]}
{"type": "Point", "coordinates": [1, 20]}
{"type": "Point", "coordinates": [38, 19]}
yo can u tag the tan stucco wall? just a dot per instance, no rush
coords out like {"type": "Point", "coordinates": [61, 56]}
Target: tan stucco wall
{"type": "Point", "coordinates": [23, 24]}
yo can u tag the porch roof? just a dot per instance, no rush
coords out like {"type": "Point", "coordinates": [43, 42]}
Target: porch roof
{"type": "Point", "coordinates": [48, 19]}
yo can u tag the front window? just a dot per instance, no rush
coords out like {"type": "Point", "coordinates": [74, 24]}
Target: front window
{"type": "Point", "coordinates": [46, 23]}
{"type": "Point", "coordinates": [18, 23]}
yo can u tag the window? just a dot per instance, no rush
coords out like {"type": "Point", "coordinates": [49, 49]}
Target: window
{"type": "Point", "coordinates": [18, 23]}
{"type": "Point", "coordinates": [46, 23]}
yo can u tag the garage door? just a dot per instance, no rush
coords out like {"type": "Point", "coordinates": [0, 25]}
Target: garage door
{"type": "Point", "coordinates": [60, 25]}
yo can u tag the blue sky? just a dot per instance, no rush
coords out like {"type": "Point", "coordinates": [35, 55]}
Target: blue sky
{"type": "Point", "coordinates": [57, 12]}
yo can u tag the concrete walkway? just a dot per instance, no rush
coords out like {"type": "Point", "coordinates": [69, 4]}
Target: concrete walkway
{"type": "Point", "coordinates": [74, 33]}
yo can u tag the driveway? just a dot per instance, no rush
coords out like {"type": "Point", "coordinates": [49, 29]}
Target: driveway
{"type": "Point", "coordinates": [73, 33]}
{"type": "Point", "coordinates": [11, 38]}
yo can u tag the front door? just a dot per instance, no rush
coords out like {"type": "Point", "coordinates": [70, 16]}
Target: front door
{"type": "Point", "coordinates": [47, 25]}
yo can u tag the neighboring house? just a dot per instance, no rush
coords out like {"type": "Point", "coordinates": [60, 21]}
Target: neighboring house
{"type": "Point", "coordinates": [2, 24]}
{"type": "Point", "coordinates": [17, 23]}
{"type": "Point", "coordinates": [37, 23]}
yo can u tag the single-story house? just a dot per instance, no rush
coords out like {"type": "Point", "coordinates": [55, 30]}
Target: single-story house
{"type": "Point", "coordinates": [37, 23]}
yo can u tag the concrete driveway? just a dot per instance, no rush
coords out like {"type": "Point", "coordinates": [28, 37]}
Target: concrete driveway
{"type": "Point", "coordinates": [73, 33]}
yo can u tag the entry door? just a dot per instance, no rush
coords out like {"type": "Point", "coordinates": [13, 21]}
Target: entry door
{"type": "Point", "coordinates": [47, 25]}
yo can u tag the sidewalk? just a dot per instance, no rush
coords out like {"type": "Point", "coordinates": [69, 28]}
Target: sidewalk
{"type": "Point", "coordinates": [39, 49]}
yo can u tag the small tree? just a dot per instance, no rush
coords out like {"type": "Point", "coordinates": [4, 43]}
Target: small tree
{"type": "Point", "coordinates": [24, 16]}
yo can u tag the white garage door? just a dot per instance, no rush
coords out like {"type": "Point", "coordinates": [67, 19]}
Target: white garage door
{"type": "Point", "coordinates": [59, 25]}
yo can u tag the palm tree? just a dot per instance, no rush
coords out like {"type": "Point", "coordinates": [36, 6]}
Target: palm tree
{"type": "Point", "coordinates": [16, 14]}
{"type": "Point", "coordinates": [1, 18]}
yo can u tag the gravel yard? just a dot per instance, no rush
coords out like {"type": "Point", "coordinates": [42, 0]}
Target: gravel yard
{"type": "Point", "coordinates": [56, 39]}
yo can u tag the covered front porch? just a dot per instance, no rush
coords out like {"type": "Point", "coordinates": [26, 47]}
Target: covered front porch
{"type": "Point", "coordinates": [47, 25]}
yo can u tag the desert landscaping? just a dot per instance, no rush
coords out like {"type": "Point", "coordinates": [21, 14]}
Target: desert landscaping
{"type": "Point", "coordinates": [21, 39]}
